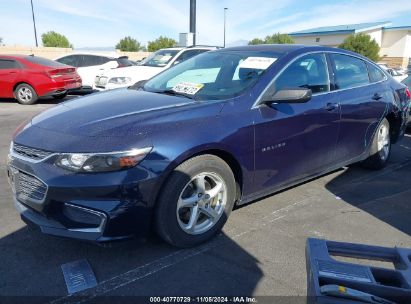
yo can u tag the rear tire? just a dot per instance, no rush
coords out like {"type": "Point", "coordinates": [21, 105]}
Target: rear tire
{"type": "Point", "coordinates": [195, 202]}
{"type": "Point", "coordinates": [380, 150]}
{"type": "Point", "coordinates": [25, 94]}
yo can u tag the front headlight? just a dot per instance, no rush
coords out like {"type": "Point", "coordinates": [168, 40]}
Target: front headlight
{"type": "Point", "coordinates": [120, 80]}
{"type": "Point", "coordinates": [101, 162]}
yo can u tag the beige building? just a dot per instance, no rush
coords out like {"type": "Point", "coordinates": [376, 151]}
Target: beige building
{"type": "Point", "coordinates": [395, 42]}
{"type": "Point", "coordinates": [53, 52]}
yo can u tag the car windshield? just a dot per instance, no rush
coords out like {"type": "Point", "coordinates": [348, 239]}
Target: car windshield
{"type": "Point", "coordinates": [213, 75]}
{"type": "Point", "coordinates": [160, 58]}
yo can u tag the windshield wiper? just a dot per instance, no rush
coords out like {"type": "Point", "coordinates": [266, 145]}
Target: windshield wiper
{"type": "Point", "coordinates": [174, 93]}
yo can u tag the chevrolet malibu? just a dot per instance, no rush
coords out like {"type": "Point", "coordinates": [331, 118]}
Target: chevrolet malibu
{"type": "Point", "coordinates": [176, 153]}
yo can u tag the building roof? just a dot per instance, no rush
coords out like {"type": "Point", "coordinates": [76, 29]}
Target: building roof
{"type": "Point", "coordinates": [398, 28]}
{"type": "Point", "coordinates": [342, 29]}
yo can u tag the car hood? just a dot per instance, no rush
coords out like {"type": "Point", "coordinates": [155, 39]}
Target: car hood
{"type": "Point", "coordinates": [110, 120]}
{"type": "Point", "coordinates": [135, 72]}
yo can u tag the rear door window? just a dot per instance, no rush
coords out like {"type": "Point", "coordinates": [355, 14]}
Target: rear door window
{"type": "Point", "coordinates": [350, 72]}
{"type": "Point", "coordinates": [6, 64]}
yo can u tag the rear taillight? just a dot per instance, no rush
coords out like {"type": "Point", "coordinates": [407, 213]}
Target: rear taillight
{"type": "Point", "coordinates": [60, 72]}
{"type": "Point", "coordinates": [407, 92]}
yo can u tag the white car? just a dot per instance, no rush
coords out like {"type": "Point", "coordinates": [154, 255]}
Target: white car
{"type": "Point", "coordinates": [149, 67]}
{"type": "Point", "coordinates": [394, 73]}
{"type": "Point", "coordinates": [90, 65]}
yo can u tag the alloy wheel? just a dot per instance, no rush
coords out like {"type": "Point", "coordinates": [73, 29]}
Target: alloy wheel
{"type": "Point", "coordinates": [383, 141]}
{"type": "Point", "coordinates": [25, 94]}
{"type": "Point", "coordinates": [201, 203]}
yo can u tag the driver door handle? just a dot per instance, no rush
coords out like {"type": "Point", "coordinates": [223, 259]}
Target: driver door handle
{"type": "Point", "coordinates": [377, 96]}
{"type": "Point", "coordinates": [331, 106]}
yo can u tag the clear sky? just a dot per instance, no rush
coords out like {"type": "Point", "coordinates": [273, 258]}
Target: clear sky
{"type": "Point", "coordinates": [101, 23]}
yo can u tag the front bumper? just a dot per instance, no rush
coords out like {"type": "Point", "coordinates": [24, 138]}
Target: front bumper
{"type": "Point", "coordinates": [96, 207]}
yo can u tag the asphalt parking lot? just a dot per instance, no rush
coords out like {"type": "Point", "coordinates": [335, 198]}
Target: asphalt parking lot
{"type": "Point", "coordinates": [259, 253]}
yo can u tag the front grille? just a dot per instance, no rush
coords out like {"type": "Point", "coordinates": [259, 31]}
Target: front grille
{"type": "Point", "coordinates": [30, 188]}
{"type": "Point", "coordinates": [32, 153]}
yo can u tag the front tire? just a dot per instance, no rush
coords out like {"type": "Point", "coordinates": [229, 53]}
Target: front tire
{"type": "Point", "coordinates": [380, 148]}
{"type": "Point", "coordinates": [196, 201]}
{"type": "Point", "coordinates": [25, 94]}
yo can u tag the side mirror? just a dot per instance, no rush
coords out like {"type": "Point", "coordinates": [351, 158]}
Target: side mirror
{"type": "Point", "coordinates": [295, 95]}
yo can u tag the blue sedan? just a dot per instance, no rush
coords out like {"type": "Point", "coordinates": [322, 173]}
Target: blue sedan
{"type": "Point", "coordinates": [177, 152]}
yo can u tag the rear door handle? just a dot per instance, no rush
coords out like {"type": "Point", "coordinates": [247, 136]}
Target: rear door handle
{"type": "Point", "coordinates": [377, 96]}
{"type": "Point", "coordinates": [331, 106]}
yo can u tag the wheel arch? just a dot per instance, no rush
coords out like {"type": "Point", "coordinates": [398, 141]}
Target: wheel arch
{"type": "Point", "coordinates": [23, 82]}
{"type": "Point", "coordinates": [226, 156]}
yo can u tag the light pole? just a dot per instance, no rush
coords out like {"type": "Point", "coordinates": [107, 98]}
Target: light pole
{"type": "Point", "coordinates": [225, 17]}
{"type": "Point", "coordinates": [193, 13]}
{"type": "Point", "coordinates": [34, 22]}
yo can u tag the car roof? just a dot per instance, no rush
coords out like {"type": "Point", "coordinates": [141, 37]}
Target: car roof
{"type": "Point", "coordinates": [277, 48]}
{"type": "Point", "coordinates": [282, 49]}
{"type": "Point", "coordinates": [13, 56]}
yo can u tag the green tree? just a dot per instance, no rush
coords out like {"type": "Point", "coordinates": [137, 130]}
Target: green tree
{"type": "Point", "coordinates": [362, 44]}
{"type": "Point", "coordinates": [161, 43]}
{"type": "Point", "coordinates": [128, 44]}
{"type": "Point", "coordinates": [256, 41]}
{"type": "Point", "coordinates": [273, 39]}
{"type": "Point", "coordinates": [53, 39]}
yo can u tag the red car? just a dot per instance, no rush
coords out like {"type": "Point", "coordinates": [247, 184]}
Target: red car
{"type": "Point", "coordinates": [27, 78]}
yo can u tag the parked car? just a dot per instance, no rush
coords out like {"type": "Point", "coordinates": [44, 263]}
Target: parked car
{"type": "Point", "coordinates": [90, 65]}
{"type": "Point", "coordinates": [177, 153]}
{"type": "Point", "coordinates": [152, 65]}
{"type": "Point", "coordinates": [394, 73]}
{"type": "Point", "coordinates": [27, 78]}
{"type": "Point", "coordinates": [402, 71]}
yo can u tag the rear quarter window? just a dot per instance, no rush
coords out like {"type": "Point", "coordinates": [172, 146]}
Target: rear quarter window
{"type": "Point", "coordinates": [375, 73]}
